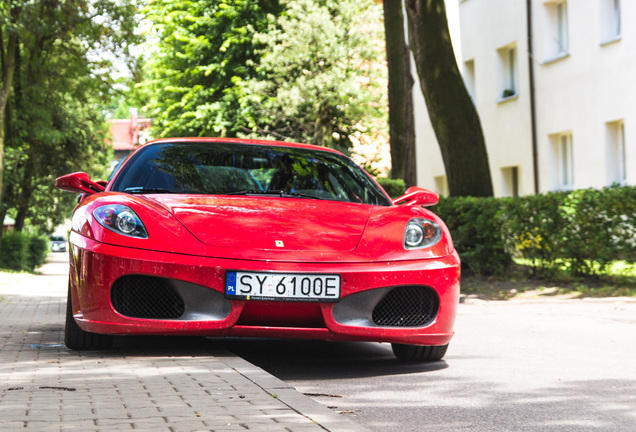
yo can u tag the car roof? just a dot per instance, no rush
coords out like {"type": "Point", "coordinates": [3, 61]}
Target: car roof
{"type": "Point", "coordinates": [239, 141]}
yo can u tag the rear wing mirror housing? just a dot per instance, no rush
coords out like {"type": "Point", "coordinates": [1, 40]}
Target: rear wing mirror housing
{"type": "Point", "coordinates": [417, 196]}
{"type": "Point", "coordinates": [79, 182]}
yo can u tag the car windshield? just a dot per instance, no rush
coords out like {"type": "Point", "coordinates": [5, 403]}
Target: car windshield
{"type": "Point", "coordinates": [246, 169]}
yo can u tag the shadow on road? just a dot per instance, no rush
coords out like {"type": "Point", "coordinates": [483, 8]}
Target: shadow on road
{"type": "Point", "coordinates": [309, 359]}
{"type": "Point", "coordinates": [286, 359]}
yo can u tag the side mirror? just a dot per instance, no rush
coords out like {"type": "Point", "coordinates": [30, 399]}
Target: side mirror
{"type": "Point", "coordinates": [78, 182]}
{"type": "Point", "coordinates": [417, 196]}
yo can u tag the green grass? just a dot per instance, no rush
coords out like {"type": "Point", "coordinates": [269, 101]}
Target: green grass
{"type": "Point", "coordinates": [618, 281]}
{"type": "Point", "coordinates": [615, 268]}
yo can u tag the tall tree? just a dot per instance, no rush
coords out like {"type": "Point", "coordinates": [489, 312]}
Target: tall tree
{"type": "Point", "coordinates": [321, 77]}
{"type": "Point", "coordinates": [401, 121]}
{"type": "Point", "coordinates": [303, 70]}
{"type": "Point", "coordinates": [201, 50]}
{"type": "Point", "coordinates": [451, 110]}
{"type": "Point", "coordinates": [9, 19]}
{"type": "Point", "coordinates": [53, 121]}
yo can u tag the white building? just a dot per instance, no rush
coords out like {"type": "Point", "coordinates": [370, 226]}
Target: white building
{"type": "Point", "coordinates": [581, 70]}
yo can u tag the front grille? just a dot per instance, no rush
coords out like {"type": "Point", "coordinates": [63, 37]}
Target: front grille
{"type": "Point", "coordinates": [140, 296]}
{"type": "Point", "coordinates": [407, 306]}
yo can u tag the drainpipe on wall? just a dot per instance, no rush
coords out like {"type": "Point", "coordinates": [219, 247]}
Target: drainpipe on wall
{"type": "Point", "coordinates": [533, 117]}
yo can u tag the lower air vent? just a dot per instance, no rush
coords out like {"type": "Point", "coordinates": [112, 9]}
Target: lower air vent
{"type": "Point", "coordinates": [408, 306]}
{"type": "Point", "coordinates": [146, 297]}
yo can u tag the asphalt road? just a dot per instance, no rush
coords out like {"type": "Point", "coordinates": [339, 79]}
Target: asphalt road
{"type": "Point", "coordinates": [533, 365]}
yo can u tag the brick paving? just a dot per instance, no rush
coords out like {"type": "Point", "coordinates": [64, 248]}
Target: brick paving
{"type": "Point", "coordinates": [144, 383]}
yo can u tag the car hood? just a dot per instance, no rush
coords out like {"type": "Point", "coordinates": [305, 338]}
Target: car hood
{"type": "Point", "coordinates": [270, 222]}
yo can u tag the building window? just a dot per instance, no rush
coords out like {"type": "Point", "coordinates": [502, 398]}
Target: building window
{"type": "Point", "coordinates": [616, 154]}
{"type": "Point", "coordinates": [508, 80]}
{"type": "Point", "coordinates": [611, 20]}
{"type": "Point", "coordinates": [562, 27]}
{"type": "Point", "coordinates": [441, 185]}
{"type": "Point", "coordinates": [469, 78]}
{"type": "Point", "coordinates": [510, 181]}
{"type": "Point", "coordinates": [566, 162]}
{"type": "Point", "coordinates": [557, 41]}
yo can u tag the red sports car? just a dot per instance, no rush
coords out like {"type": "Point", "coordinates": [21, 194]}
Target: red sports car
{"type": "Point", "coordinates": [227, 237]}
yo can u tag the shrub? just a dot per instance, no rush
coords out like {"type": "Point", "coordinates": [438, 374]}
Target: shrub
{"type": "Point", "coordinates": [13, 251]}
{"type": "Point", "coordinates": [394, 187]}
{"type": "Point", "coordinates": [531, 228]}
{"type": "Point", "coordinates": [601, 228]}
{"type": "Point", "coordinates": [37, 250]}
{"type": "Point", "coordinates": [475, 224]}
{"type": "Point", "coordinates": [583, 230]}
{"type": "Point", "coordinates": [23, 251]}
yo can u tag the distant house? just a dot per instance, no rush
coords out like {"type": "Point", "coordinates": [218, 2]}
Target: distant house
{"type": "Point", "coordinates": [8, 224]}
{"type": "Point", "coordinates": [128, 134]}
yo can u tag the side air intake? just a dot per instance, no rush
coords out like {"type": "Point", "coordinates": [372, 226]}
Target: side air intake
{"type": "Point", "coordinates": [407, 306]}
{"type": "Point", "coordinates": [139, 296]}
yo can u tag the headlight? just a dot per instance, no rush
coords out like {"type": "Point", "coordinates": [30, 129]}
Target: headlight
{"type": "Point", "coordinates": [120, 219]}
{"type": "Point", "coordinates": [421, 233]}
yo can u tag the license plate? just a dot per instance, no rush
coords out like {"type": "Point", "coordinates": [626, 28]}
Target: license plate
{"type": "Point", "coordinates": [282, 286]}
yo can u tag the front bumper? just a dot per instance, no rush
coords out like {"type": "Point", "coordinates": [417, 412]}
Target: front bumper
{"type": "Point", "coordinates": [199, 281]}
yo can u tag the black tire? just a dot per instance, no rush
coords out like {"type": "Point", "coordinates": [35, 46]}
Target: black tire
{"type": "Point", "coordinates": [77, 339]}
{"type": "Point", "coordinates": [419, 353]}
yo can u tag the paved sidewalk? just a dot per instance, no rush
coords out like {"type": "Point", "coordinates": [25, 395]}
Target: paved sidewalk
{"type": "Point", "coordinates": [145, 383]}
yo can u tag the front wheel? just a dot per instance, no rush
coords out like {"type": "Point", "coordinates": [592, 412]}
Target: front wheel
{"type": "Point", "coordinates": [77, 339]}
{"type": "Point", "coordinates": [418, 353]}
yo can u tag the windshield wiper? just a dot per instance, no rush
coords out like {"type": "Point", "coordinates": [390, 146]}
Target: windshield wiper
{"type": "Point", "coordinates": [246, 192]}
{"type": "Point", "coordinates": [144, 190]}
{"type": "Point", "coordinates": [275, 192]}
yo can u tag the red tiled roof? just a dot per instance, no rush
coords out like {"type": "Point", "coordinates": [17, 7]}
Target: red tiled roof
{"type": "Point", "coordinates": [125, 132]}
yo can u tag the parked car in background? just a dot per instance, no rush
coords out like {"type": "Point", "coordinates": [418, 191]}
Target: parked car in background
{"type": "Point", "coordinates": [58, 244]}
{"type": "Point", "coordinates": [230, 237]}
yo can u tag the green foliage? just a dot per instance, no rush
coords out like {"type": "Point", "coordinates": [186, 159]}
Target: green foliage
{"type": "Point", "coordinates": [23, 251]}
{"type": "Point", "coordinates": [529, 226]}
{"type": "Point", "coordinates": [55, 122]}
{"type": "Point", "coordinates": [199, 50]}
{"type": "Point", "coordinates": [394, 187]}
{"type": "Point", "coordinates": [475, 226]}
{"type": "Point", "coordinates": [14, 250]}
{"type": "Point", "coordinates": [37, 250]}
{"type": "Point", "coordinates": [602, 227]}
{"type": "Point", "coordinates": [582, 232]}
{"type": "Point", "coordinates": [585, 230]}
{"type": "Point", "coordinates": [320, 76]}
{"type": "Point", "coordinates": [298, 70]}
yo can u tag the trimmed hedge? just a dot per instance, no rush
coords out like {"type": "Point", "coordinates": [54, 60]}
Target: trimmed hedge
{"type": "Point", "coordinates": [583, 230]}
{"type": "Point", "coordinates": [394, 187]}
{"type": "Point", "coordinates": [476, 234]}
{"type": "Point", "coordinates": [23, 251]}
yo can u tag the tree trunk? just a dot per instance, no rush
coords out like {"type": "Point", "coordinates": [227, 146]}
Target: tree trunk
{"type": "Point", "coordinates": [451, 110]}
{"type": "Point", "coordinates": [27, 187]}
{"type": "Point", "coordinates": [401, 122]}
{"type": "Point", "coordinates": [7, 62]}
